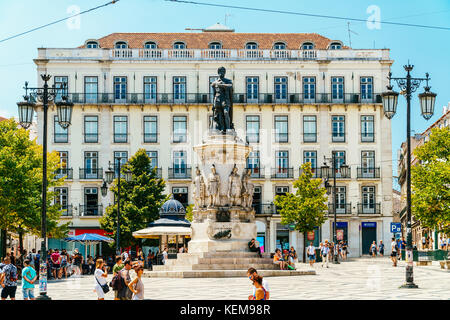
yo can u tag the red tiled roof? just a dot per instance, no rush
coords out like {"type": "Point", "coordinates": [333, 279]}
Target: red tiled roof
{"type": "Point", "coordinates": [229, 40]}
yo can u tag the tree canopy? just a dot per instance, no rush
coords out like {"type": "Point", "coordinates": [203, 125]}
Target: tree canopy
{"type": "Point", "coordinates": [430, 182]}
{"type": "Point", "coordinates": [140, 199]}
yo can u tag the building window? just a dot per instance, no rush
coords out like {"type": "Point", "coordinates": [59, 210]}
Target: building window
{"type": "Point", "coordinates": [281, 128]}
{"type": "Point", "coordinates": [120, 129]}
{"type": "Point", "coordinates": [150, 129]}
{"type": "Point", "coordinates": [90, 89]}
{"type": "Point", "coordinates": [253, 163]}
{"type": "Point", "coordinates": [150, 89]}
{"type": "Point", "coordinates": [179, 45]}
{"type": "Point", "coordinates": [90, 166]}
{"type": "Point", "coordinates": [338, 128]}
{"type": "Point", "coordinates": [309, 89]}
{"type": "Point", "coordinates": [366, 88]}
{"type": "Point", "coordinates": [120, 89]}
{"type": "Point", "coordinates": [123, 156]}
{"type": "Point", "coordinates": [282, 164]}
{"type": "Point", "coordinates": [179, 165]}
{"type": "Point", "coordinates": [150, 45]}
{"type": "Point", "coordinates": [215, 45]}
{"type": "Point", "coordinates": [280, 86]}
{"type": "Point", "coordinates": [335, 46]}
{"type": "Point", "coordinates": [368, 164]}
{"type": "Point", "coordinates": [368, 199]}
{"type": "Point", "coordinates": [91, 206]}
{"type": "Point", "coordinates": [92, 45]}
{"type": "Point", "coordinates": [341, 199]}
{"type": "Point", "coordinates": [61, 86]}
{"type": "Point", "coordinates": [309, 128]}
{"type": "Point", "coordinates": [311, 157]}
{"type": "Point", "coordinates": [340, 159]}
{"type": "Point", "coordinates": [91, 129]}
{"type": "Point", "coordinates": [281, 191]}
{"type": "Point", "coordinates": [63, 170]}
{"type": "Point", "coordinates": [337, 89]}
{"type": "Point", "coordinates": [61, 135]}
{"type": "Point", "coordinates": [61, 199]}
{"type": "Point", "coordinates": [179, 129]}
{"type": "Point", "coordinates": [121, 45]}
{"type": "Point", "coordinates": [279, 46]}
{"type": "Point", "coordinates": [252, 129]}
{"type": "Point", "coordinates": [252, 89]}
{"type": "Point", "coordinates": [252, 50]}
{"type": "Point", "coordinates": [367, 129]}
{"type": "Point", "coordinates": [251, 46]}
{"type": "Point", "coordinates": [153, 155]}
{"type": "Point", "coordinates": [179, 89]}
{"type": "Point", "coordinates": [307, 46]}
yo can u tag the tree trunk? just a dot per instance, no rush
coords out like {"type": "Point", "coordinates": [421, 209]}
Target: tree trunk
{"type": "Point", "coordinates": [20, 241]}
{"type": "Point", "coordinates": [304, 247]}
{"type": "Point", "coordinates": [2, 243]}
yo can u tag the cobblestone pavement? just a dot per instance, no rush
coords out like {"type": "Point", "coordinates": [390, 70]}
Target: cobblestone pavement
{"type": "Point", "coordinates": [363, 278]}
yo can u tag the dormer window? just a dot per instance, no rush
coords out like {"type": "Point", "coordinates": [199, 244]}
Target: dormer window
{"type": "Point", "coordinates": [251, 46]}
{"type": "Point", "coordinates": [215, 45]}
{"type": "Point", "coordinates": [279, 46]}
{"type": "Point", "coordinates": [92, 44]}
{"type": "Point", "coordinates": [121, 45]}
{"type": "Point", "coordinates": [308, 46]}
{"type": "Point", "coordinates": [179, 45]}
{"type": "Point", "coordinates": [335, 46]}
{"type": "Point", "coordinates": [150, 45]}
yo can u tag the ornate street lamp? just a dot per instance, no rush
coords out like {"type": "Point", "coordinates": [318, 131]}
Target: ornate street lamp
{"type": "Point", "coordinates": [427, 100]}
{"type": "Point", "coordinates": [110, 175]}
{"type": "Point", "coordinates": [46, 95]}
{"type": "Point", "coordinates": [104, 189]}
{"type": "Point", "coordinates": [345, 170]}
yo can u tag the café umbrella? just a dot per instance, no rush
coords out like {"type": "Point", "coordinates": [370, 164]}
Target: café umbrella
{"type": "Point", "coordinates": [88, 239]}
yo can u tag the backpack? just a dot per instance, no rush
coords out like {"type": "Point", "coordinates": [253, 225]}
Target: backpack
{"type": "Point", "coordinates": [117, 283]}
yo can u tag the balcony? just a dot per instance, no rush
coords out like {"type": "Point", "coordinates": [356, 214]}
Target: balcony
{"type": "Point", "coordinates": [91, 173]}
{"type": "Point", "coordinates": [282, 173]}
{"type": "Point", "coordinates": [206, 98]}
{"type": "Point", "coordinates": [369, 208]}
{"type": "Point", "coordinates": [340, 174]}
{"type": "Point", "coordinates": [66, 211]}
{"type": "Point", "coordinates": [317, 173]}
{"type": "Point", "coordinates": [64, 172]}
{"type": "Point", "coordinates": [341, 208]}
{"type": "Point", "coordinates": [91, 210]}
{"type": "Point", "coordinates": [257, 172]}
{"type": "Point", "coordinates": [368, 173]}
{"type": "Point", "coordinates": [264, 208]}
{"type": "Point", "coordinates": [158, 172]}
{"type": "Point", "coordinates": [183, 173]}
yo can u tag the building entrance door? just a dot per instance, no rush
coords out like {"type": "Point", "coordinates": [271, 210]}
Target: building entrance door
{"type": "Point", "coordinates": [369, 234]}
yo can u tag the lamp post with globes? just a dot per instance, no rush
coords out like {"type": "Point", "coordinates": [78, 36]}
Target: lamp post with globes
{"type": "Point", "coordinates": [45, 95]}
{"type": "Point", "coordinates": [110, 175]}
{"type": "Point", "coordinates": [427, 99]}
{"type": "Point", "coordinates": [344, 170]}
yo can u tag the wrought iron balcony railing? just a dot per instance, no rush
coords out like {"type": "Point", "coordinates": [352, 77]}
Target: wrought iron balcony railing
{"type": "Point", "coordinates": [207, 98]}
{"type": "Point", "coordinates": [67, 210]}
{"type": "Point", "coordinates": [91, 173]}
{"type": "Point", "coordinates": [257, 172]}
{"type": "Point", "coordinates": [64, 172]}
{"type": "Point", "coordinates": [180, 173]}
{"type": "Point", "coordinates": [282, 173]}
{"type": "Point", "coordinates": [91, 210]}
{"type": "Point", "coordinates": [341, 208]}
{"type": "Point", "coordinates": [340, 174]}
{"type": "Point", "coordinates": [368, 173]}
{"type": "Point", "coordinates": [264, 208]}
{"type": "Point", "coordinates": [369, 208]}
{"type": "Point", "coordinates": [317, 173]}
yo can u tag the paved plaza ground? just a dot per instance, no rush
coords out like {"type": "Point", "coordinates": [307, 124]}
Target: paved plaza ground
{"type": "Point", "coordinates": [362, 278]}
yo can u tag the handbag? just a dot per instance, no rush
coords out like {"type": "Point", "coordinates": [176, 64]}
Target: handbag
{"type": "Point", "coordinates": [105, 287]}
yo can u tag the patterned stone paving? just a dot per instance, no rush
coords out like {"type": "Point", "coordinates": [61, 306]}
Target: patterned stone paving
{"type": "Point", "coordinates": [363, 278]}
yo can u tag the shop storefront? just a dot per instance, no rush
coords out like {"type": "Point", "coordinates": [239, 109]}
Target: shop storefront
{"type": "Point", "coordinates": [282, 237]}
{"type": "Point", "coordinates": [368, 236]}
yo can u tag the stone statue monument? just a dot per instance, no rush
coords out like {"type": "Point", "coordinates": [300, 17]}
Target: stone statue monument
{"type": "Point", "coordinates": [199, 190]}
{"type": "Point", "coordinates": [247, 189]}
{"type": "Point", "coordinates": [234, 188]}
{"type": "Point", "coordinates": [223, 102]}
{"type": "Point", "coordinates": [213, 188]}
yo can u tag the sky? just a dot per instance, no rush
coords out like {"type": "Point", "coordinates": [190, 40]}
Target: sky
{"type": "Point", "coordinates": [427, 49]}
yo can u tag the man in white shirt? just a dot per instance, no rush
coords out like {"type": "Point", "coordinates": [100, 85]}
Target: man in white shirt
{"type": "Point", "coordinates": [165, 256]}
{"type": "Point", "coordinates": [394, 252]}
{"type": "Point", "coordinates": [251, 273]}
{"type": "Point", "coordinates": [311, 251]}
{"type": "Point", "coordinates": [324, 253]}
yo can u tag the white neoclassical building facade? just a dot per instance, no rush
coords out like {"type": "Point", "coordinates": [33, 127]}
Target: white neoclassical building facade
{"type": "Point", "coordinates": [297, 98]}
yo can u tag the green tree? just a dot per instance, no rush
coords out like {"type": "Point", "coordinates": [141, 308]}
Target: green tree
{"type": "Point", "coordinates": [21, 184]}
{"type": "Point", "coordinates": [306, 208]}
{"type": "Point", "coordinates": [189, 212]}
{"type": "Point", "coordinates": [430, 182]}
{"type": "Point", "coordinates": [140, 200]}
